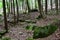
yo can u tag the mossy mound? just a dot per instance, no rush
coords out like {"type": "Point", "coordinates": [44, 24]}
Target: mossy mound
{"type": "Point", "coordinates": [41, 32]}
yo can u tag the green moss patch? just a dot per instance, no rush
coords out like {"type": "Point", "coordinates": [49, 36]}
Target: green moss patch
{"type": "Point", "coordinates": [41, 32]}
{"type": "Point", "coordinates": [30, 38]}
{"type": "Point", "coordinates": [2, 32]}
{"type": "Point", "coordinates": [6, 38]}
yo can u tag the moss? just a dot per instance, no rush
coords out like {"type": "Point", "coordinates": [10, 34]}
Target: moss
{"type": "Point", "coordinates": [41, 32]}
{"type": "Point", "coordinates": [6, 38]}
{"type": "Point", "coordinates": [30, 38]}
{"type": "Point", "coordinates": [2, 32]}
{"type": "Point", "coordinates": [29, 27]}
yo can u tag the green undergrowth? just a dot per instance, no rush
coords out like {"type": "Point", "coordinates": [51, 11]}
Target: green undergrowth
{"type": "Point", "coordinates": [0, 14]}
{"type": "Point", "coordinates": [2, 32]}
{"type": "Point", "coordinates": [30, 27]}
{"type": "Point", "coordinates": [29, 38]}
{"type": "Point", "coordinates": [5, 38]}
{"type": "Point", "coordinates": [41, 32]}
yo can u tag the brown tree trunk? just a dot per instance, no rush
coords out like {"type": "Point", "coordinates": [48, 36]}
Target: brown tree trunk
{"type": "Point", "coordinates": [17, 10]}
{"type": "Point", "coordinates": [14, 12]}
{"type": "Point", "coordinates": [40, 9]}
{"type": "Point", "coordinates": [45, 6]}
{"type": "Point", "coordinates": [5, 18]}
{"type": "Point", "coordinates": [11, 6]}
{"type": "Point", "coordinates": [28, 5]}
{"type": "Point", "coordinates": [51, 4]}
{"type": "Point", "coordinates": [56, 4]}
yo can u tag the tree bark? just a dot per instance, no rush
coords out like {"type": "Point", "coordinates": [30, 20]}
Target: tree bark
{"type": "Point", "coordinates": [51, 4]}
{"type": "Point", "coordinates": [28, 5]}
{"type": "Point", "coordinates": [5, 18]}
{"type": "Point", "coordinates": [17, 10]}
{"type": "Point", "coordinates": [14, 12]}
{"type": "Point", "coordinates": [40, 9]}
{"type": "Point", "coordinates": [56, 4]}
{"type": "Point", "coordinates": [45, 6]}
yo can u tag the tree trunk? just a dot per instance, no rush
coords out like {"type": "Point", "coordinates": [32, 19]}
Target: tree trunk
{"type": "Point", "coordinates": [8, 6]}
{"type": "Point", "coordinates": [56, 4]}
{"type": "Point", "coordinates": [17, 10]}
{"type": "Point", "coordinates": [5, 18]}
{"type": "Point", "coordinates": [51, 4]}
{"type": "Point", "coordinates": [28, 5]}
{"type": "Point", "coordinates": [40, 9]}
{"type": "Point", "coordinates": [35, 4]}
{"type": "Point", "coordinates": [59, 4]}
{"type": "Point", "coordinates": [11, 6]}
{"type": "Point", "coordinates": [14, 12]}
{"type": "Point", "coordinates": [45, 6]}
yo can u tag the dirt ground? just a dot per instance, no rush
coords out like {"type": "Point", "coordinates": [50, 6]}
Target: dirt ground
{"type": "Point", "coordinates": [18, 32]}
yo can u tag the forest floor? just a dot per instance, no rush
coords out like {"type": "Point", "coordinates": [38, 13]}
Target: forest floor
{"type": "Point", "coordinates": [18, 32]}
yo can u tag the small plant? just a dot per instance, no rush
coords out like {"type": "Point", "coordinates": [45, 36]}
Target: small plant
{"type": "Point", "coordinates": [29, 27]}
{"type": "Point", "coordinates": [29, 38]}
{"type": "Point", "coordinates": [2, 32]}
{"type": "Point", "coordinates": [6, 38]}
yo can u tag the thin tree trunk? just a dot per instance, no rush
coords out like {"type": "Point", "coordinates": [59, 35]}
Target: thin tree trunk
{"type": "Point", "coordinates": [45, 6]}
{"type": "Point", "coordinates": [17, 10]}
{"type": "Point", "coordinates": [14, 13]}
{"type": "Point", "coordinates": [8, 6]}
{"type": "Point", "coordinates": [35, 4]}
{"type": "Point", "coordinates": [11, 7]}
{"type": "Point", "coordinates": [40, 9]}
{"type": "Point", "coordinates": [51, 4]}
{"type": "Point", "coordinates": [59, 4]}
{"type": "Point", "coordinates": [28, 5]}
{"type": "Point", "coordinates": [56, 4]}
{"type": "Point", "coordinates": [5, 18]}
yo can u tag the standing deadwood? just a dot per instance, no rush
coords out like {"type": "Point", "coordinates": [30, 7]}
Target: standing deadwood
{"type": "Point", "coordinates": [56, 5]}
{"type": "Point", "coordinates": [17, 10]}
{"type": "Point", "coordinates": [14, 12]}
{"type": "Point", "coordinates": [45, 6]}
{"type": "Point", "coordinates": [5, 18]}
{"type": "Point", "coordinates": [28, 5]}
{"type": "Point", "coordinates": [51, 4]}
{"type": "Point", "coordinates": [40, 9]}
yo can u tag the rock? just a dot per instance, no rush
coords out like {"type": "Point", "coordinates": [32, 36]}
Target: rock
{"type": "Point", "coordinates": [58, 35]}
{"type": "Point", "coordinates": [20, 33]}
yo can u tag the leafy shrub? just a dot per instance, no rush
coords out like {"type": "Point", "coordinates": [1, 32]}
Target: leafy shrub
{"type": "Point", "coordinates": [41, 32]}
